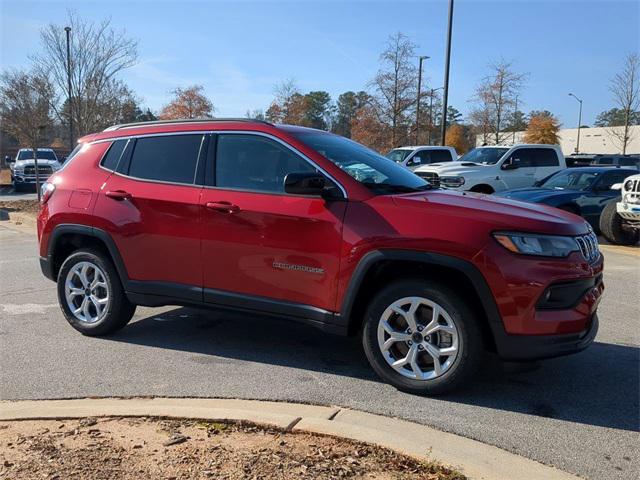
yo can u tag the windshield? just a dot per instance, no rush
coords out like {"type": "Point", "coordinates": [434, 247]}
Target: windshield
{"type": "Point", "coordinates": [42, 155]}
{"type": "Point", "coordinates": [376, 172]}
{"type": "Point", "coordinates": [485, 156]}
{"type": "Point", "coordinates": [398, 155]}
{"type": "Point", "coordinates": [568, 180]}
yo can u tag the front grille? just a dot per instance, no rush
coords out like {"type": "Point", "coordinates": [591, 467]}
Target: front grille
{"type": "Point", "coordinates": [430, 177]}
{"type": "Point", "coordinates": [589, 247]}
{"type": "Point", "coordinates": [42, 170]}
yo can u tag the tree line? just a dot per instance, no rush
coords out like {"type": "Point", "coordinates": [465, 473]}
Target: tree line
{"type": "Point", "coordinates": [38, 104]}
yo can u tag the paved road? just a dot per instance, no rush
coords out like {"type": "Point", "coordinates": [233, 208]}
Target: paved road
{"type": "Point", "coordinates": [579, 413]}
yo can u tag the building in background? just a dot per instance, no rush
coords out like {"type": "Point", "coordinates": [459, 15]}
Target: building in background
{"type": "Point", "coordinates": [594, 140]}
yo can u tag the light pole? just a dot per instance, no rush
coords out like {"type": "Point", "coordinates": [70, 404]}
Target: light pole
{"type": "Point", "coordinates": [445, 96]}
{"type": "Point", "coordinates": [515, 112]}
{"type": "Point", "coordinates": [422, 58]}
{"type": "Point", "coordinates": [432, 91]}
{"type": "Point", "coordinates": [579, 122]}
{"type": "Point", "coordinates": [68, 30]}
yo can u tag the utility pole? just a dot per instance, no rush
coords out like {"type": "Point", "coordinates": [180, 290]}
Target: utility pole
{"type": "Point", "coordinates": [515, 112]}
{"type": "Point", "coordinates": [445, 96]}
{"type": "Point", "coordinates": [418, 100]}
{"type": "Point", "coordinates": [432, 92]}
{"type": "Point", "coordinates": [579, 122]}
{"type": "Point", "coordinates": [69, 105]}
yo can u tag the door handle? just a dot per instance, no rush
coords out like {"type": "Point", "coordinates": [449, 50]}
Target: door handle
{"type": "Point", "coordinates": [226, 207]}
{"type": "Point", "coordinates": [118, 195]}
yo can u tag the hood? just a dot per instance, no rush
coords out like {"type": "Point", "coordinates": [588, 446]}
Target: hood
{"type": "Point", "coordinates": [452, 168]}
{"type": "Point", "coordinates": [31, 162]}
{"type": "Point", "coordinates": [539, 195]}
{"type": "Point", "coordinates": [496, 213]}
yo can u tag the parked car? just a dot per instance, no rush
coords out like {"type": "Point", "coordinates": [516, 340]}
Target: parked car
{"type": "Point", "coordinates": [579, 160]}
{"type": "Point", "coordinates": [620, 221]}
{"type": "Point", "coordinates": [621, 160]}
{"type": "Point", "coordinates": [584, 191]}
{"type": "Point", "coordinates": [23, 169]}
{"type": "Point", "coordinates": [270, 219]}
{"type": "Point", "coordinates": [496, 168]}
{"type": "Point", "coordinates": [414, 157]}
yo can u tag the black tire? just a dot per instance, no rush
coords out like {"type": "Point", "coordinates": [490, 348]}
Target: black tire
{"type": "Point", "coordinates": [611, 226]}
{"type": "Point", "coordinates": [470, 339]}
{"type": "Point", "coordinates": [17, 187]}
{"type": "Point", "coordinates": [119, 310]}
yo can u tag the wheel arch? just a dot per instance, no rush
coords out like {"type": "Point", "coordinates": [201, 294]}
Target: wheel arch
{"type": "Point", "coordinates": [379, 267]}
{"type": "Point", "coordinates": [67, 238]}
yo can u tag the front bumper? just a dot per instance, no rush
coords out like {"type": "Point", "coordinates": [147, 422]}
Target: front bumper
{"type": "Point", "coordinates": [538, 347]}
{"type": "Point", "coordinates": [30, 179]}
{"type": "Point", "coordinates": [46, 265]}
{"type": "Point", "coordinates": [629, 211]}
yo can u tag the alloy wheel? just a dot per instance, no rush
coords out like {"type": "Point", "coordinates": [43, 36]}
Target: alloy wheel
{"type": "Point", "coordinates": [87, 292]}
{"type": "Point", "coordinates": [418, 338]}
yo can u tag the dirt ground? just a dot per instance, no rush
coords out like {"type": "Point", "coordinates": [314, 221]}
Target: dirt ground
{"type": "Point", "coordinates": [23, 206]}
{"type": "Point", "coordinates": [132, 448]}
{"type": "Point", "coordinates": [5, 176]}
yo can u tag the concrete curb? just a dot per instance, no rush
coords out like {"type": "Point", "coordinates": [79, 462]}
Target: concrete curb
{"type": "Point", "coordinates": [475, 459]}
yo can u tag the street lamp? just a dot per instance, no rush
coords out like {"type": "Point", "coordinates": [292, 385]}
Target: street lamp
{"type": "Point", "coordinates": [419, 92]}
{"type": "Point", "coordinates": [68, 30]}
{"type": "Point", "coordinates": [432, 92]}
{"type": "Point", "coordinates": [445, 96]}
{"type": "Point", "coordinates": [579, 122]}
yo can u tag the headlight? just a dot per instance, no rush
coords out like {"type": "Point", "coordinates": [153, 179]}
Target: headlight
{"type": "Point", "coordinates": [534, 244]}
{"type": "Point", "coordinates": [453, 182]}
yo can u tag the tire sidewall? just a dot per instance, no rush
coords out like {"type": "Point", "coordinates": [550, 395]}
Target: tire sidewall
{"type": "Point", "coordinates": [113, 284]}
{"type": "Point", "coordinates": [469, 338]}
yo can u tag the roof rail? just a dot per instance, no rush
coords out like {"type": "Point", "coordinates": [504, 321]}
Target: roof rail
{"type": "Point", "coordinates": [185, 120]}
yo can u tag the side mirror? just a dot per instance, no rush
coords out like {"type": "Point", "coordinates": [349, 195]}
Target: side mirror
{"type": "Point", "coordinates": [510, 164]}
{"type": "Point", "coordinates": [304, 183]}
{"type": "Point", "coordinates": [8, 159]}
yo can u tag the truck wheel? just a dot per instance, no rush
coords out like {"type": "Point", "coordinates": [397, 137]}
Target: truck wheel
{"type": "Point", "coordinates": [613, 229]}
{"type": "Point", "coordinates": [488, 189]}
{"type": "Point", "coordinates": [91, 295]}
{"type": "Point", "coordinates": [422, 337]}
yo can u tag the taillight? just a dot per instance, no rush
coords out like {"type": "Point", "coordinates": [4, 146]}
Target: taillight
{"type": "Point", "coordinates": [46, 191]}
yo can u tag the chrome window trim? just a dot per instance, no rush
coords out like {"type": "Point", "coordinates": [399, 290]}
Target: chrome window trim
{"type": "Point", "coordinates": [217, 132]}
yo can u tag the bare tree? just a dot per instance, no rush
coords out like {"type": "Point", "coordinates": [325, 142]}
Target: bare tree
{"type": "Point", "coordinates": [625, 87]}
{"type": "Point", "coordinates": [25, 109]}
{"type": "Point", "coordinates": [395, 86]}
{"type": "Point", "coordinates": [98, 55]}
{"type": "Point", "coordinates": [496, 96]}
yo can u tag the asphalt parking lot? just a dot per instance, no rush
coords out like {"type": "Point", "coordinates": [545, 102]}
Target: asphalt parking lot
{"type": "Point", "coordinates": [579, 413]}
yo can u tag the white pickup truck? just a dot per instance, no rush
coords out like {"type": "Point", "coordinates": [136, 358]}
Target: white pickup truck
{"type": "Point", "coordinates": [496, 168]}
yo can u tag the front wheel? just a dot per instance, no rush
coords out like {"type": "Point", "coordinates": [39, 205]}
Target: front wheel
{"type": "Point", "coordinates": [421, 337]}
{"type": "Point", "coordinates": [91, 295]}
{"type": "Point", "coordinates": [613, 228]}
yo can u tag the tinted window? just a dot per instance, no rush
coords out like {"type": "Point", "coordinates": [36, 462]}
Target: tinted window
{"type": "Point", "coordinates": [605, 161]}
{"type": "Point", "coordinates": [611, 178]}
{"type": "Point", "coordinates": [438, 156]}
{"type": "Point", "coordinates": [523, 157]}
{"type": "Point", "coordinates": [172, 158]}
{"type": "Point", "coordinates": [398, 155]}
{"type": "Point", "coordinates": [42, 155]}
{"type": "Point", "coordinates": [110, 160]}
{"type": "Point", "coordinates": [252, 162]}
{"type": "Point", "coordinates": [544, 157]}
{"type": "Point", "coordinates": [629, 162]}
{"type": "Point", "coordinates": [486, 156]}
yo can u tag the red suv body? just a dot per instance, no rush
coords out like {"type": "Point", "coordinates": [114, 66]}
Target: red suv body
{"type": "Point", "coordinates": [309, 226]}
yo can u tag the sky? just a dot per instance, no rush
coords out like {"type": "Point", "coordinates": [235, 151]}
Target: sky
{"type": "Point", "coordinates": [239, 50]}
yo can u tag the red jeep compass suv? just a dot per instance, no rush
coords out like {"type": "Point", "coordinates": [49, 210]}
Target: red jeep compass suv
{"type": "Point", "coordinates": [313, 227]}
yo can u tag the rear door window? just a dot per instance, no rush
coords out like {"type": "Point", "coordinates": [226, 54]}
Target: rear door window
{"type": "Point", "coordinates": [438, 156]}
{"type": "Point", "coordinates": [170, 158]}
{"type": "Point", "coordinates": [544, 157]}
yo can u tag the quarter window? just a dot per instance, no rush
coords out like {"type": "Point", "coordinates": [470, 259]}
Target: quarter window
{"type": "Point", "coordinates": [171, 158]}
{"type": "Point", "coordinates": [111, 159]}
{"type": "Point", "coordinates": [251, 162]}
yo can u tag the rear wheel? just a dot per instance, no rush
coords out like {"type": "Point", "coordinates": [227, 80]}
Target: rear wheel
{"type": "Point", "coordinates": [613, 228]}
{"type": "Point", "coordinates": [488, 189]}
{"type": "Point", "coordinates": [91, 295]}
{"type": "Point", "coordinates": [422, 337]}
